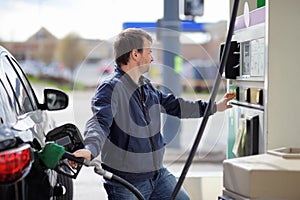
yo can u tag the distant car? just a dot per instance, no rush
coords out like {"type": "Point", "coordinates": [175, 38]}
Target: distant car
{"type": "Point", "coordinates": [199, 74]}
{"type": "Point", "coordinates": [106, 66]}
{"type": "Point", "coordinates": [32, 67]}
{"type": "Point", "coordinates": [57, 72]}
{"type": "Point", "coordinates": [24, 124]}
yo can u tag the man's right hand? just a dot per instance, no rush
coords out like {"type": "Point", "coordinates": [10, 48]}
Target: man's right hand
{"type": "Point", "coordinates": [82, 153]}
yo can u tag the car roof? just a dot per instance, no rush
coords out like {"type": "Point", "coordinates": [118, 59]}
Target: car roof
{"type": "Point", "coordinates": [3, 49]}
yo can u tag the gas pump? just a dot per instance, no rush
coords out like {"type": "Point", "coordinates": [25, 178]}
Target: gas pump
{"type": "Point", "coordinates": [245, 74]}
{"type": "Point", "coordinates": [263, 135]}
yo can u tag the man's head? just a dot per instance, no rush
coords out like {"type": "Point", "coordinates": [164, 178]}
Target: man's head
{"type": "Point", "coordinates": [130, 42]}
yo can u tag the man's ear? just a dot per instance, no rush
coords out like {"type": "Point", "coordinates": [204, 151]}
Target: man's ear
{"type": "Point", "coordinates": [134, 53]}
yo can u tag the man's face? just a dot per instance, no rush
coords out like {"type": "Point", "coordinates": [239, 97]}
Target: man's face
{"type": "Point", "coordinates": [145, 57]}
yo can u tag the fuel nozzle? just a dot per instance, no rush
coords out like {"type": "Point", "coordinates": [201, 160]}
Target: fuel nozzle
{"type": "Point", "coordinates": [54, 156]}
{"type": "Point", "coordinates": [51, 154]}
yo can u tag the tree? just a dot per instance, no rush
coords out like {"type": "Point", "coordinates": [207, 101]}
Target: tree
{"type": "Point", "coordinates": [71, 51]}
{"type": "Point", "coordinates": [46, 51]}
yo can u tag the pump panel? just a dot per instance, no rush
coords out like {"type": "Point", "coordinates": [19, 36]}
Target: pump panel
{"type": "Point", "coordinates": [245, 71]}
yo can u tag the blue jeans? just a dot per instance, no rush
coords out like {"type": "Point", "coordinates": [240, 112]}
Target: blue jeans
{"type": "Point", "coordinates": [158, 188]}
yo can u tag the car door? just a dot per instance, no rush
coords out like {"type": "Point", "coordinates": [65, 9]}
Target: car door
{"type": "Point", "coordinates": [29, 116]}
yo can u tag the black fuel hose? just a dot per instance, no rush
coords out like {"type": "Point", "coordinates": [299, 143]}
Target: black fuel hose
{"type": "Point", "coordinates": [105, 174]}
{"type": "Point", "coordinates": [211, 101]}
{"type": "Point", "coordinates": [122, 181]}
{"type": "Point", "coordinates": [113, 177]}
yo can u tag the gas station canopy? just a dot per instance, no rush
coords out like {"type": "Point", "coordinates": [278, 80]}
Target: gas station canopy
{"type": "Point", "coordinates": [186, 26]}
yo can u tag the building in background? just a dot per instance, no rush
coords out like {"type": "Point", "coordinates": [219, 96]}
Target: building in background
{"type": "Point", "coordinates": [42, 45]}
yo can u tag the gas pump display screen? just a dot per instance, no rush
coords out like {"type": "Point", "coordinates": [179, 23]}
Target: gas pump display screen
{"type": "Point", "coordinates": [253, 58]}
{"type": "Point", "coordinates": [246, 59]}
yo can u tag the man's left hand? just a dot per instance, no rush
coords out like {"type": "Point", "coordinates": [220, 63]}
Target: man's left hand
{"type": "Point", "coordinates": [223, 103]}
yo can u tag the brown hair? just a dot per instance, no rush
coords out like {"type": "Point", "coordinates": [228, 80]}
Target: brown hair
{"type": "Point", "coordinates": [128, 40]}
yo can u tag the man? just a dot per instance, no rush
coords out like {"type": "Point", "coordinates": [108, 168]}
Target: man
{"type": "Point", "coordinates": [125, 127]}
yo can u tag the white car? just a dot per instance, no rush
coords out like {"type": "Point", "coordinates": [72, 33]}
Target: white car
{"type": "Point", "coordinates": [24, 124]}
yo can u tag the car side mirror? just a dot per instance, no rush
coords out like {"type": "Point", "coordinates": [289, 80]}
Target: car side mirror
{"type": "Point", "coordinates": [55, 100]}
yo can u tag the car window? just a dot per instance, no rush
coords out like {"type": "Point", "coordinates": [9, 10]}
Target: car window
{"type": "Point", "coordinates": [6, 85]}
{"type": "Point", "coordinates": [7, 111]}
{"type": "Point", "coordinates": [26, 83]}
{"type": "Point", "coordinates": [15, 87]}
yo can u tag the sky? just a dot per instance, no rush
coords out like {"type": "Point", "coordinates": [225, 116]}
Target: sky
{"type": "Point", "coordinates": [92, 19]}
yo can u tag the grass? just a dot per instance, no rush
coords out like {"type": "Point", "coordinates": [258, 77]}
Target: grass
{"type": "Point", "coordinates": [63, 85]}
